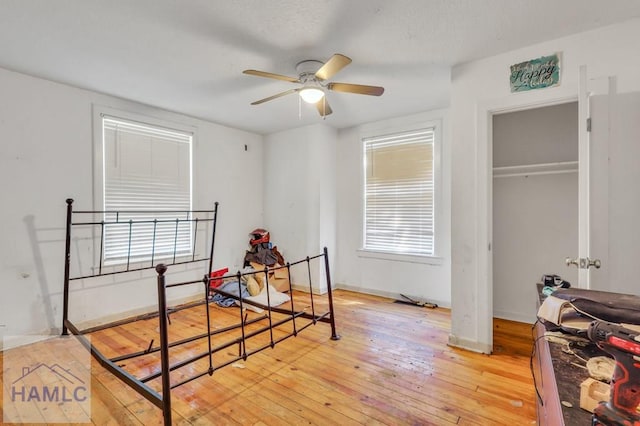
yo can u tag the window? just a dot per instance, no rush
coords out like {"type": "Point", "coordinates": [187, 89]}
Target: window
{"type": "Point", "coordinates": [145, 167]}
{"type": "Point", "coordinates": [399, 192]}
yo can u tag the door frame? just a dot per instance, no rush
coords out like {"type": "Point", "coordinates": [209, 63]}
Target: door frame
{"type": "Point", "coordinates": [484, 192]}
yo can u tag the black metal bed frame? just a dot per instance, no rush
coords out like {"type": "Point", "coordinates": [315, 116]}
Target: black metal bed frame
{"type": "Point", "coordinates": [163, 400]}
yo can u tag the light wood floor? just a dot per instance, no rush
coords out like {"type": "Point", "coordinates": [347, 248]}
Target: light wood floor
{"type": "Point", "coordinates": [392, 367]}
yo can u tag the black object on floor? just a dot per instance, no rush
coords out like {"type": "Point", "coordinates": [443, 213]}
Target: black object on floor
{"type": "Point", "coordinates": [413, 302]}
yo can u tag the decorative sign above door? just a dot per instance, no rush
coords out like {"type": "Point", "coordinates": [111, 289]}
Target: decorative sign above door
{"type": "Point", "coordinates": [536, 73]}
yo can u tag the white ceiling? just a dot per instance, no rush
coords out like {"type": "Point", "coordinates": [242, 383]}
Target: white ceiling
{"type": "Point", "coordinates": [188, 56]}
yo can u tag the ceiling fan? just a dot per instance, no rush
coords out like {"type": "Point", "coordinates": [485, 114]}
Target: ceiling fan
{"type": "Point", "coordinates": [313, 76]}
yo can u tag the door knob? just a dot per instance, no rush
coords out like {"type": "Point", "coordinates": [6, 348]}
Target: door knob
{"type": "Point", "coordinates": [594, 262]}
{"type": "Point", "coordinates": [569, 261]}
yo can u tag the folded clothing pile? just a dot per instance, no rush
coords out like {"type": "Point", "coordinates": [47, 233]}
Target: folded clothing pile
{"type": "Point", "coordinates": [252, 287]}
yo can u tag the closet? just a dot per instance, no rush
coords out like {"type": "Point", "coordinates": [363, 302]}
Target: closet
{"type": "Point", "coordinates": [535, 204]}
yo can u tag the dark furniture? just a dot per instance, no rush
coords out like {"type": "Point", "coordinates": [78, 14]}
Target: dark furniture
{"type": "Point", "coordinates": [87, 230]}
{"type": "Point", "coordinates": [557, 379]}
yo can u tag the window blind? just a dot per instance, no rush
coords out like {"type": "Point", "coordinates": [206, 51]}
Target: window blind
{"type": "Point", "coordinates": [399, 193]}
{"type": "Point", "coordinates": [146, 170]}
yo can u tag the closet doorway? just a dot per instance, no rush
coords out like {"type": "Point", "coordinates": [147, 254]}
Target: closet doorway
{"type": "Point", "coordinates": [535, 204]}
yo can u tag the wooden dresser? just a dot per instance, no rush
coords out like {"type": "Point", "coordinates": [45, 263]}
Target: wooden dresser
{"type": "Point", "coordinates": [557, 378]}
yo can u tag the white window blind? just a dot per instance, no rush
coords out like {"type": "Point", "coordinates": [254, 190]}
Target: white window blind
{"type": "Point", "coordinates": [399, 193]}
{"type": "Point", "coordinates": [147, 170]}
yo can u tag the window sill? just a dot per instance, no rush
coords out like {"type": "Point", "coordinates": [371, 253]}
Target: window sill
{"type": "Point", "coordinates": [396, 257]}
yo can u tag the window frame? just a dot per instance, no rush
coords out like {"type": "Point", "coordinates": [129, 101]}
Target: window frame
{"type": "Point", "coordinates": [407, 124]}
{"type": "Point", "coordinates": [99, 112]}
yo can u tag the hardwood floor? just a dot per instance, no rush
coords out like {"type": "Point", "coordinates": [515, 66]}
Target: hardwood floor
{"type": "Point", "coordinates": [392, 366]}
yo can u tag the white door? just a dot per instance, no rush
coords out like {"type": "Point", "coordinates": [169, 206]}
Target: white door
{"type": "Point", "coordinates": [609, 151]}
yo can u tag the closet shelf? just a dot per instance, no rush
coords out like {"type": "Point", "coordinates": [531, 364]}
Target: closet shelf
{"type": "Point", "coordinates": [536, 169]}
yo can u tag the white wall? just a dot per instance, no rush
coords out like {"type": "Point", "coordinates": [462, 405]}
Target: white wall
{"type": "Point", "coordinates": [427, 281]}
{"type": "Point", "coordinates": [478, 89]}
{"type": "Point", "coordinates": [300, 197]}
{"type": "Point", "coordinates": [535, 229]}
{"type": "Point", "coordinates": [46, 156]}
{"type": "Point", "coordinates": [313, 194]}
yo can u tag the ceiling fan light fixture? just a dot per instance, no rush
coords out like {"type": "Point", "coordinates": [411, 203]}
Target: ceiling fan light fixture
{"type": "Point", "coordinates": [311, 95]}
{"type": "Point", "coordinates": [314, 77]}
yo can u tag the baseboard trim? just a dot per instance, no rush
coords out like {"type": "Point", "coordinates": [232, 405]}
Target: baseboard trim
{"type": "Point", "coordinates": [469, 345]}
{"type": "Point", "coordinates": [135, 312]}
{"type": "Point", "coordinates": [387, 294]}
{"type": "Point", "coordinates": [10, 342]}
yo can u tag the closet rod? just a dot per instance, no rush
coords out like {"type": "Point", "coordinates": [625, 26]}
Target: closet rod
{"type": "Point", "coordinates": [536, 169]}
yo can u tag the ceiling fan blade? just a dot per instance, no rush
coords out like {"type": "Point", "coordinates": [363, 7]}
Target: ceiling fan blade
{"type": "Point", "coordinates": [356, 88]}
{"type": "Point", "coordinates": [270, 98]}
{"type": "Point", "coordinates": [332, 66]}
{"type": "Point", "coordinates": [271, 75]}
{"type": "Point", "coordinates": [323, 107]}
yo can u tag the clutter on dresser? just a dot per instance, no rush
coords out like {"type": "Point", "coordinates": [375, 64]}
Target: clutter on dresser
{"type": "Point", "coordinates": [586, 352]}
